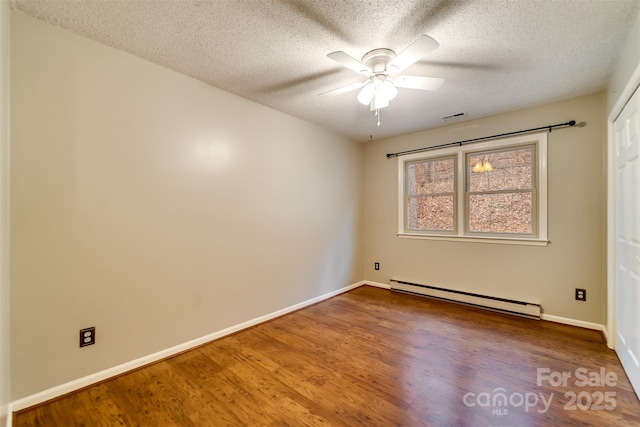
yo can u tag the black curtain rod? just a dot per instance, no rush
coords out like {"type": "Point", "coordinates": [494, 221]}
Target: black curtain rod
{"type": "Point", "coordinates": [471, 141]}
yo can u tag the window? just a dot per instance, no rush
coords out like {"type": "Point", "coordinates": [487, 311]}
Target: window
{"type": "Point", "coordinates": [431, 195]}
{"type": "Point", "coordinates": [493, 191]}
{"type": "Point", "coordinates": [501, 200]}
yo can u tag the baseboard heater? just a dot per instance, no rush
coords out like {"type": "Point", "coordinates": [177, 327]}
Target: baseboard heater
{"type": "Point", "coordinates": [502, 305]}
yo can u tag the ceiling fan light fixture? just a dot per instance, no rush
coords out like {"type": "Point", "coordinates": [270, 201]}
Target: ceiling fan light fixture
{"type": "Point", "coordinates": [366, 94]}
{"type": "Point", "coordinates": [379, 102]}
{"type": "Point", "coordinates": [388, 90]}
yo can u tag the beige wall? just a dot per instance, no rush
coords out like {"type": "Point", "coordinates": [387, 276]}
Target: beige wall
{"type": "Point", "coordinates": [547, 275]}
{"type": "Point", "coordinates": [5, 389]}
{"type": "Point", "coordinates": [157, 208]}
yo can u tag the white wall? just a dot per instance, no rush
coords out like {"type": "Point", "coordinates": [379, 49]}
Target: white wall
{"type": "Point", "coordinates": [5, 389]}
{"type": "Point", "coordinates": [575, 258]}
{"type": "Point", "coordinates": [157, 208]}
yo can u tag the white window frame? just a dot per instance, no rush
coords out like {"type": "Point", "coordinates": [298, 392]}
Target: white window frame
{"type": "Point", "coordinates": [453, 193]}
{"type": "Point", "coordinates": [539, 140]}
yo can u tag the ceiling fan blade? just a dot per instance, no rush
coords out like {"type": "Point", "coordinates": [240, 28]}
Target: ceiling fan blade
{"type": "Point", "coordinates": [416, 51]}
{"type": "Point", "coordinates": [350, 62]}
{"type": "Point", "coordinates": [344, 89]}
{"type": "Point", "coordinates": [418, 82]}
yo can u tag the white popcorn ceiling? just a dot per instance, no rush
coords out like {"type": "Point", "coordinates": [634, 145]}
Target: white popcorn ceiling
{"type": "Point", "coordinates": [495, 55]}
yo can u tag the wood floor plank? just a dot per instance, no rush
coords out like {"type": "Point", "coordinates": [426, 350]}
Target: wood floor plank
{"type": "Point", "coordinates": [368, 357]}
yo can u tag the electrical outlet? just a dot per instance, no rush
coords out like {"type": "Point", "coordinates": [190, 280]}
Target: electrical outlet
{"type": "Point", "coordinates": [581, 294]}
{"type": "Point", "coordinates": [376, 266]}
{"type": "Point", "coordinates": [87, 336]}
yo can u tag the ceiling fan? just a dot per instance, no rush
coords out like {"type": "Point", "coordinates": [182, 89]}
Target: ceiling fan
{"type": "Point", "coordinates": [381, 67]}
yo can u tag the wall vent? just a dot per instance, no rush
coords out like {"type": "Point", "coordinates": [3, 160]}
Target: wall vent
{"type": "Point", "coordinates": [502, 305]}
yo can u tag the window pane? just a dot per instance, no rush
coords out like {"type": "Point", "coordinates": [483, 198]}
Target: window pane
{"type": "Point", "coordinates": [430, 177]}
{"type": "Point", "coordinates": [501, 213]}
{"type": "Point", "coordinates": [512, 170]}
{"type": "Point", "coordinates": [432, 213]}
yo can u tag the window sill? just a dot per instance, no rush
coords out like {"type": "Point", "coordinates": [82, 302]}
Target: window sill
{"type": "Point", "coordinates": [474, 239]}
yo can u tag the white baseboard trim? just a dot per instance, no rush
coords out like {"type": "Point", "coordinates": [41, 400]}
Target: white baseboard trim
{"type": "Point", "coordinates": [376, 284]}
{"type": "Point", "coordinates": [88, 380]}
{"type": "Point", "coordinates": [605, 332]}
{"type": "Point", "coordinates": [574, 322]}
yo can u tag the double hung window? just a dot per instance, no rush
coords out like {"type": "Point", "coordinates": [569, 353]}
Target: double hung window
{"type": "Point", "coordinates": [493, 191]}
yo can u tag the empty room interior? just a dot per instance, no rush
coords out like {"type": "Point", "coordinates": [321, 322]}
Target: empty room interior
{"type": "Point", "coordinates": [310, 212]}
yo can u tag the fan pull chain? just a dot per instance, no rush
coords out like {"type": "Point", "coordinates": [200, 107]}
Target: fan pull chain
{"type": "Point", "coordinates": [378, 115]}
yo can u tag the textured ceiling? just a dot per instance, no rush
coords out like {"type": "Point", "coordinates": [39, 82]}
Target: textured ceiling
{"type": "Point", "coordinates": [495, 55]}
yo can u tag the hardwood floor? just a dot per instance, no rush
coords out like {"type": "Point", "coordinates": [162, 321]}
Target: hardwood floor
{"type": "Point", "coordinates": [368, 357]}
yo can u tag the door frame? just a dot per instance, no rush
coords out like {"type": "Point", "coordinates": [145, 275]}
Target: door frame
{"type": "Point", "coordinates": [625, 96]}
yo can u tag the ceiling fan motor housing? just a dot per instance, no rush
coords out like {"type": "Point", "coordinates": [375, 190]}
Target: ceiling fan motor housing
{"type": "Point", "coordinates": [377, 59]}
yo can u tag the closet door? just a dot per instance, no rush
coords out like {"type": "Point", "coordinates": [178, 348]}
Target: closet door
{"type": "Point", "coordinates": [627, 236]}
